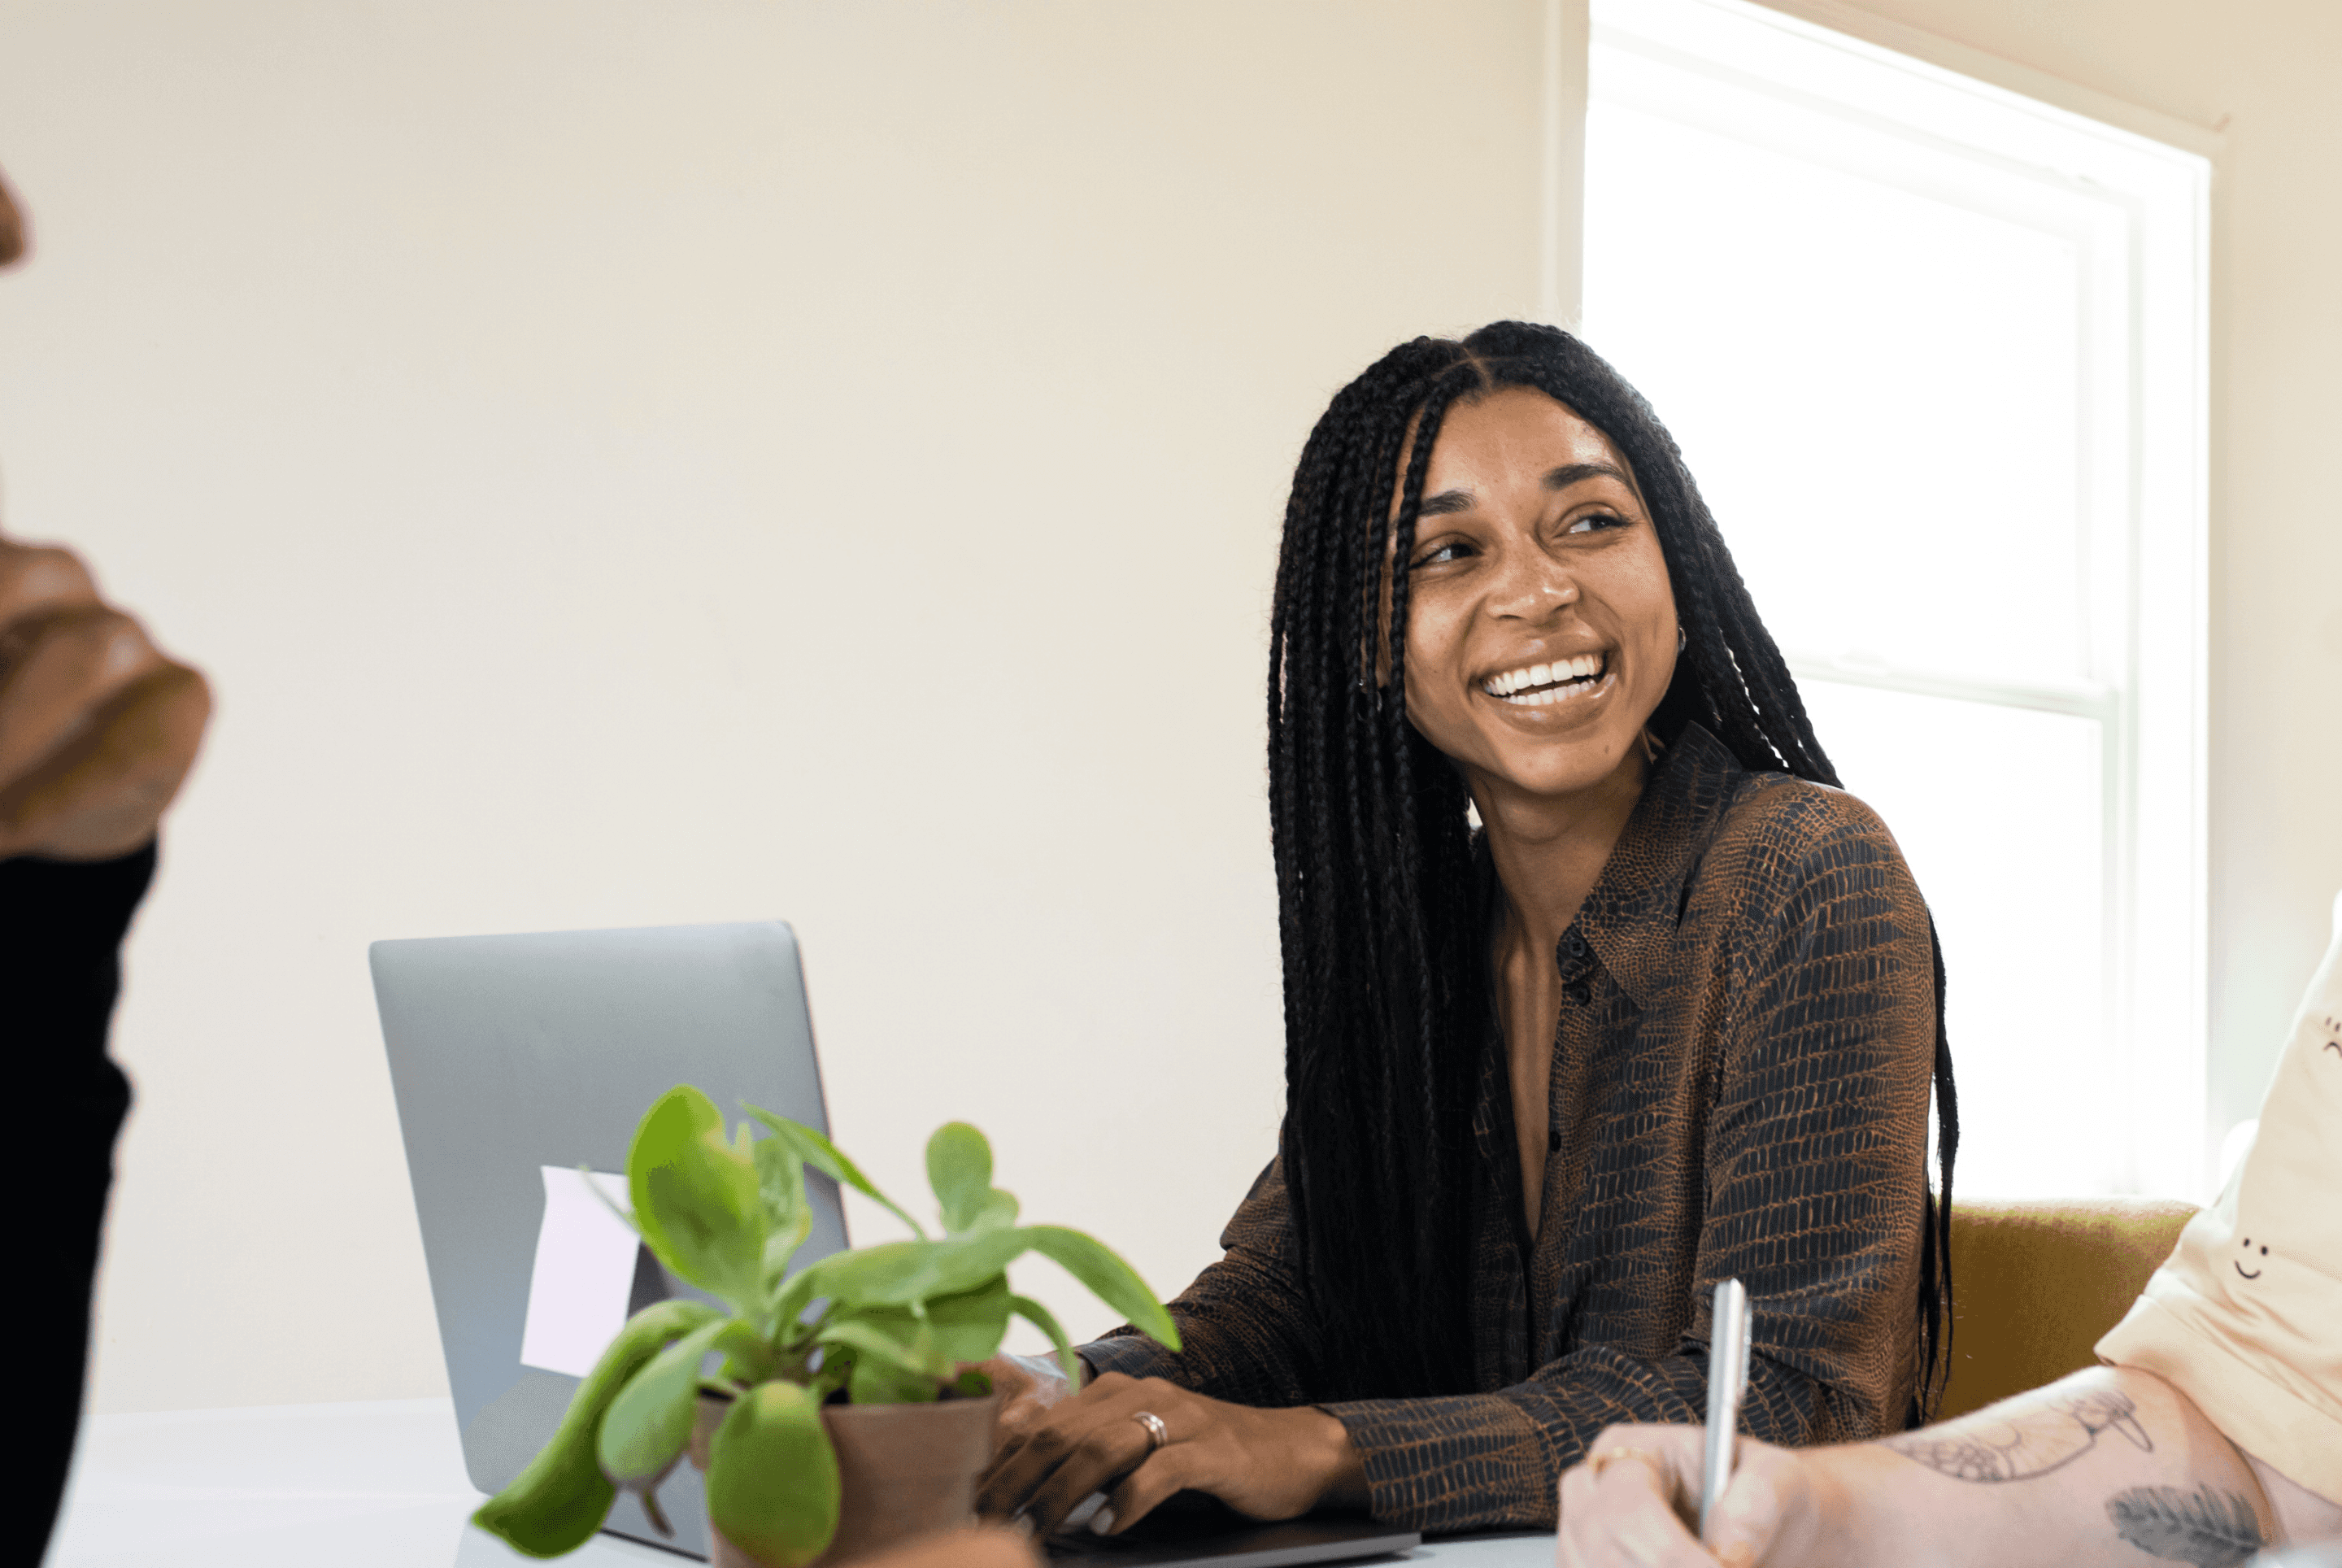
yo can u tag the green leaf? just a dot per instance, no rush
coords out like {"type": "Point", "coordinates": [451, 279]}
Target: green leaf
{"type": "Point", "coordinates": [557, 1503]}
{"type": "Point", "coordinates": [999, 1212]}
{"type": "Point", "coordinates": [1109, 1278]}
{"type": "Point", "coordinates": [830, 1379]}
{"type": "Point", "coordinates": [650, 1421]}
{"type": "Point", "coordinates": [966, 1326]}
{"type": "Point", "coordinates": [825, 1157]}
{"type": "Point", "coordinates": [649, 1424]}
{"type": "Point", "coordinates": [897, 1273]}
{"type": "Point", "coordinates": [746, 1350]}
{"type": "Point", "coordinates": [696, 1199]}
{"type": "Point", "coordinates": [916, 1354]}
{"type": "Point", "coordinates": [960, 1168]}
{"type": "Point", "coordinates": [874, 1379]}
{"type": "Point", "coordinates": [789, 1304]}
{"type": "Point", "coordinates": [1033, 1312]}
{"type": "Point", "coordinates": [772, 1476]}
{"type": "Point", "coordinates": [788, 1218]}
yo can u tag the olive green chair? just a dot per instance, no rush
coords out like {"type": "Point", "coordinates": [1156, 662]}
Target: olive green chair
{"type": "Point", "coordinates": [2037, 1282]}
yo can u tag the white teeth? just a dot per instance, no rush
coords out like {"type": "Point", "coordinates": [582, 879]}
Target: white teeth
{"type": "Point", "coordinates": [1584, 667]}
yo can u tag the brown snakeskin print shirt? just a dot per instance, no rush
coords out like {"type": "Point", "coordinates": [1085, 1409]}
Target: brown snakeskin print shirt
{"type": "Point", "coordinates": [1740, 1083]}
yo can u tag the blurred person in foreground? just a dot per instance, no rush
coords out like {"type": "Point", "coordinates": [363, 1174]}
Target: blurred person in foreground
{"type": "Point", "coordinates": [2216, 1428]}
{"type": "Point", "coordinates": [97, 731]}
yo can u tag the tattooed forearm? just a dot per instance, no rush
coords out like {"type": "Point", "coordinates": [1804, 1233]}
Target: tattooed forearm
{"type": "Point", "coordinates": [2031, 1444]}
{"type": "Point", "coordinates": [2206, 1528]}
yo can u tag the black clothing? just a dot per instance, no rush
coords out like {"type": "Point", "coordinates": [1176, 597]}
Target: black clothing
{"type": "Point", "coordinates": [61, 928]}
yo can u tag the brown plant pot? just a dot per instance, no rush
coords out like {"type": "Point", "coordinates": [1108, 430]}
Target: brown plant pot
{"type": "Point", "coordinates": [903, 1470]}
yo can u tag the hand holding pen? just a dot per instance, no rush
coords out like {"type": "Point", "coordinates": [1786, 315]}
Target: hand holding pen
{"type": "Point", "coordinates": [1727, 1383]}
{"type": "Point", "coordinates": [1671, 1465]}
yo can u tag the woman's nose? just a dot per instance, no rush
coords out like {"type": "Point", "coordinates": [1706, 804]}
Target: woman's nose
{"type": "Point", "coordinates": [1534, 592]}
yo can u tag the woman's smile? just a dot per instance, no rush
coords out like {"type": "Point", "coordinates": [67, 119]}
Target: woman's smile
{"type": "Point", "coordinates": [1559, 680]}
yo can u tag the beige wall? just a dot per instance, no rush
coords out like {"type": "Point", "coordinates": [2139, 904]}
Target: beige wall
{"type": "Point", "coordinates": [2264, 73]}
{"type": "Point", "coordinates": [629, 462]}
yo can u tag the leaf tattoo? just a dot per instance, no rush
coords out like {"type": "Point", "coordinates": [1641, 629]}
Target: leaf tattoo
{"type": "Point", "coordinates": [2033, 1444]}
{"type": "Point", "coordinates": [2206, 1528]}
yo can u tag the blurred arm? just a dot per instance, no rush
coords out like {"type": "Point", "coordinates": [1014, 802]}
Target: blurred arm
{"type": "Point", "coordinates": [2111, 1466]}
{"type": "Point", "coordinates": [60, 927]}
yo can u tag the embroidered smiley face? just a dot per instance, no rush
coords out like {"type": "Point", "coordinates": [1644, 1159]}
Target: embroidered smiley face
{"type": "Point", "coordinates": [2254, 1273]}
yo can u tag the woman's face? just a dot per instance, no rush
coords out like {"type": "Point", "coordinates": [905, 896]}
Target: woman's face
{"type": "Point", "coordinates": [1541, 627]}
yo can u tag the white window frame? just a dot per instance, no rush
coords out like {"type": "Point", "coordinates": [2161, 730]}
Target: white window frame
{"type": "Point", "coordinates": [2146, 440]}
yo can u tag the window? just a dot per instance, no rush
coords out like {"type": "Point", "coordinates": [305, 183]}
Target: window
{"type": "Point", "coordinates": [1934, 352]}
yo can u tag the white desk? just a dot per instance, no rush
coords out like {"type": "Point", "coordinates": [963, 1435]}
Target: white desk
{"type": "Point", "coordinates": [371, 1485]}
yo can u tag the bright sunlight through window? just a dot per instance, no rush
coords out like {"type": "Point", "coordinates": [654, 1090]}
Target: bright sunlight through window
{"type": "Point", "coordinates": [1935, 353]}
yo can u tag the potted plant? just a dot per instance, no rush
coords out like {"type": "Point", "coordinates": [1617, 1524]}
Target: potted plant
{"type": "Point", "coordinates": [854, 1358]}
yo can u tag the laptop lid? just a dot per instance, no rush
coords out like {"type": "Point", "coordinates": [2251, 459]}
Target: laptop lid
{"type": "Point", "coordinates": [515, 1059]}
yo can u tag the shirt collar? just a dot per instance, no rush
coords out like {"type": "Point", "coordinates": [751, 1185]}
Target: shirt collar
{"type": "Point", "coordinates": [1630, 919]}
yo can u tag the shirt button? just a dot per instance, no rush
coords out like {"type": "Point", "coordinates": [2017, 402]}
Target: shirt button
{"type": "Point", "coordinates": [1574, 945]}
{"type": "Point", "coordinates": [1553, 1143]}
{"type": "Point", "coordinates": [1578, 991]}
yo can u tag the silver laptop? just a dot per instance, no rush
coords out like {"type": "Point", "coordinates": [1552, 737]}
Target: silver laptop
{"type": "Point", "coordinates": [516, 1060]}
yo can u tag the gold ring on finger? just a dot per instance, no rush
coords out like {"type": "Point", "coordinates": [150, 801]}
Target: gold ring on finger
{"type": "Point", "coordinates": [1157, 1435]}
{"type": "Point", "coordinates": [1620, 1450]}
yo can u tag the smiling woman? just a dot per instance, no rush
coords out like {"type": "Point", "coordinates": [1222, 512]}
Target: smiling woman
{"type": "Point", "coordinates": [1668, 1017]}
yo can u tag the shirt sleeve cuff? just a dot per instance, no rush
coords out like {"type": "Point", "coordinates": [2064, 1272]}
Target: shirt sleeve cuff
{"type": "Point", "coordinates": [61, 928]}
{"type": "Point", "coordinates": [1459, 1462]}
{"type": "Point", "coordinates": [72, 910]}
{"type": "Point", "coordinates": [1131, 1355]}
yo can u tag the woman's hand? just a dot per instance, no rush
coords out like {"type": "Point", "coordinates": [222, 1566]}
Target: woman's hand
{"type": "Point", "coordinates": [1029, 1388]}
{"type": "Point", "coordinates": [1635, 1500]}
{"type": "Point", "coordinates": [1263, 1463]}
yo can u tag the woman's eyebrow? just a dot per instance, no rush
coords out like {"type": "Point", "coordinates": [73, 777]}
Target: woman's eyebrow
{"type": "Point", "coordinates": [1448, 502]}
{"type": "Point", "coordinates": [1570, 474]}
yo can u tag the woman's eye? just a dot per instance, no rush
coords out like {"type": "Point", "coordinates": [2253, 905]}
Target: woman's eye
{"type": "Point", "coordinates": [1594, 522]}
{"type": "Point", "coordinates": [1452, 550]}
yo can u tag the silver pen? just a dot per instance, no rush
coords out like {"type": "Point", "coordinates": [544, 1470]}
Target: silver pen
{"type": "Point", "coordinates": [1728, 1380]}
